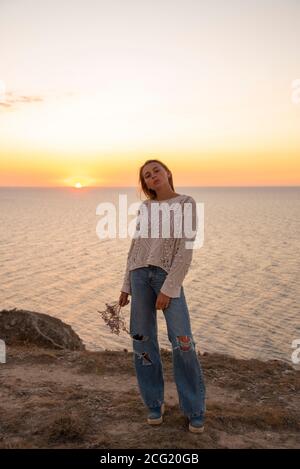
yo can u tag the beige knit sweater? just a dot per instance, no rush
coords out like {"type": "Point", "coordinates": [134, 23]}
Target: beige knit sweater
{"type": "Point", "coordinates": [168, 252]}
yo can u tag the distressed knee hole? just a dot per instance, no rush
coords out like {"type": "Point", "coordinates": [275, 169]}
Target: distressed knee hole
{"type": "Point", "coordinates": [144, 356]}
{"type": "Point", "coordinates": [140, 338]}
{"type": "Point", "coordinates": [146, 360]}
{"type": "Point", "coordinates": [185, 343]}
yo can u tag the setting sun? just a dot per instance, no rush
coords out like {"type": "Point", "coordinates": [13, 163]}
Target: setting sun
{"type": "Point", "coordinates": [85, 122]}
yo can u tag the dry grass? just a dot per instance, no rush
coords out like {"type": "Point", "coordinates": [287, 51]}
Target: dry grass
{"type": "Point", "coordinates": [113, 318]}
{"type": "Point", "coordinates": [68, 427]}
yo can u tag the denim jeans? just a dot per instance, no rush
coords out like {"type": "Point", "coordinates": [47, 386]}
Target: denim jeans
{"type": "Point", "coordinates": [145, 286]}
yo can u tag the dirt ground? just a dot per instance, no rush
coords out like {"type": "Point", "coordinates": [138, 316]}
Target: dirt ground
{"type": "Point", "coordinates": [64, 399]}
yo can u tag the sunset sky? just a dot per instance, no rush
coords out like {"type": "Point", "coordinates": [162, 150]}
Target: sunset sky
{"type": "Point", "coordinates": [89, 89]}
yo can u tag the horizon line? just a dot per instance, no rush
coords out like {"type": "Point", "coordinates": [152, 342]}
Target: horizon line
{"type": "Point", "coordinates": [135, 187]}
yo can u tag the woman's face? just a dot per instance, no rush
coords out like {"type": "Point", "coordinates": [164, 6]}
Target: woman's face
{"type": "Point", "coordinates": [155, 176]}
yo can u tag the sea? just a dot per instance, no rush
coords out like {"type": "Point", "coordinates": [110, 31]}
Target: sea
{"type": "Point", "coordinates": [242, 288]}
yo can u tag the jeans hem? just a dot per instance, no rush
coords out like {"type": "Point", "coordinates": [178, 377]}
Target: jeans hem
{"type": "Point", "coordinates": [158, 403]}
{"type": "Point", "coordinates": [189, 415]}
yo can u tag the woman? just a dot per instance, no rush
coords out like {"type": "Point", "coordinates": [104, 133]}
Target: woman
{"type": "Point", "coordinates": [156, 267]}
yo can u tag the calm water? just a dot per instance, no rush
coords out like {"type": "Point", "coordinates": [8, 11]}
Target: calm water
{"type": "Point", "coordinates": [242, 288]}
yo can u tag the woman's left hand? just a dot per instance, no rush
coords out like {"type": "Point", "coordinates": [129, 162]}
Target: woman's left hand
{"type": "Point", "coordinates": [162, 301]}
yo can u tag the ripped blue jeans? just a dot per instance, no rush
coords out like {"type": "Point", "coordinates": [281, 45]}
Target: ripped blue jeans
{"type": "Point", "coordinates": [145, 286]}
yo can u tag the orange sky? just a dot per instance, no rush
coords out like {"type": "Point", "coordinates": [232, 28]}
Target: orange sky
{"type": "Point", "coordinates": [206, 88]}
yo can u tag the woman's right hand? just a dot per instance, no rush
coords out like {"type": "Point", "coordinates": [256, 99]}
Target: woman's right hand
{"type": "Point", "coordinates": [123, 300]}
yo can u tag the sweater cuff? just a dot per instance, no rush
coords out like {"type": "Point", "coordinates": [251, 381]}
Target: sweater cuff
{"type": "Point", "coordinates": [126, 288]}
{"type": "Point", "coordinates": [172, 292]}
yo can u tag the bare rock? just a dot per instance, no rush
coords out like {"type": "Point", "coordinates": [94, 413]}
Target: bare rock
{"type": "Point", "coordinates": [19, 326]}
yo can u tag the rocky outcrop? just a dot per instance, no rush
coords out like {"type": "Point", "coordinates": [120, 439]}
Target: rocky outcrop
{"type": "Point", "coordinates": [19, 326]}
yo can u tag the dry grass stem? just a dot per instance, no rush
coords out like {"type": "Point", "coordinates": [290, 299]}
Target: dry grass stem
{"type": "Point", "coordinates": [113, 318]}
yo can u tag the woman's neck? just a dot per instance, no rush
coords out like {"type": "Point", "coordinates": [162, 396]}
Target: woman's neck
{"type": "Point", "coordinates": [165, 196]}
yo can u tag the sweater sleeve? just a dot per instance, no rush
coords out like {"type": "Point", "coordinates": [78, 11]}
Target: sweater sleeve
{"type": "Point", "coordinates": [182, 258]}
{"type": "Point", "coordinates": [126, 281]}
{"type": "Point", "coordinates": [126, 287]}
